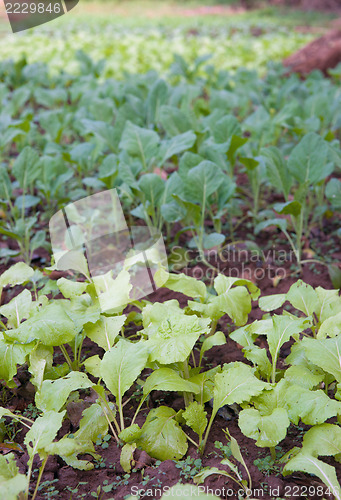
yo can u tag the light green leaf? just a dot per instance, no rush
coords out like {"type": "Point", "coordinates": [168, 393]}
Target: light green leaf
{"type": "Point", "coordinates": [303, 376]}
{"type": "Point", "coordinates": [202, 181]}
{"type": "Point", "coordinates": [217, 339]}
{"type": "Point", "coordinates": [210, 471]}
{"type": "Point", "coordinates": [19, 308]}
{"type": "Point", "coordinates": [290, 207]}
{"type": "Point", "coordinates": [121, 366]}
{"type": "Point", "coordinates": [333, 192]}
{"type": "Point", "coordinates": [325, 353]}
{"type": "Point", "coordinates": [70, 288]}
{"type": "Point", "coordinates": [130, 434]}
{"type": "Point", "coordinates": [281, 223]}
{"type": "Point", "coordinates": [305, 462]}
{"type": "Point", "coordinates": [259, 357]}
{"type": "Point", "coordinates": [308, 159]}
{"type": "Point", "coordinates": [152, 187]}
{"type": "Point", "coordinates": [11, 355]}
{"type": "Point", "coordinates": [276, 169]}
{"type": "Point", "coordinates": [41, 359]}
{"type": "Point", "coordinates": [127, 457]}
{"type": "Point", "coordinates": [93, 365]}
{"type": "Point", "coordinates": [140, 142]}
{"type": "Point", "coordinates": [205, 382]}
{"type": "Point", "coordinates": [42, 434]}
{"type": "Point", "coordinates": [26, 167]}
{"type": "Point", "coordinates": [312, 407]}
{"type": "Point", "coordinates": [330, 327]}
{"type": "Point", "coordinates": [52, 326]}
{"type": "Point", "coordinates": [54, 393]}
{"type": "Point", "coordinates": [223, 284]}
{"type": "Point", "coordinates": [182, 283]}
{"type": "Point", "coordinates": [303, 297]}
{"type": "Point", "coordinates": [16, 275]}
{"type": "Point", "coordinates": [176, 145]}
{"type": "Point", "coordinates": [272, 302]}
{"type": "Point", "coordinates": [195, 417]}
{"type": "Point", "coordinates": [323, 440]}
{"type": "Point", "coordinates": [11, 482]}
{"type": "Point", "coordinates": [105, 330]}
{"type": "Point", "coordinates": [155, 314]}
{"type": "Point", "coordinates": [162, 437]}
{"type": "Point", "coordinates": [282, 329]}
{"type": "Point", "coordinates": [267, 430]}
{"type": "Point", "coordinates": [173, 339]}
{"type": "Point", "coordinates": [166, 379]}
{"type": "Point", "coordinates": [236, 384]}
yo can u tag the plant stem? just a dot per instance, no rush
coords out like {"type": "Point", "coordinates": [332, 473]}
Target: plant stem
{"type": "Point", "coordinates": [110, 425]}
{"type": "Point", "coordinates": [203, 443]}
{"type": "Point", "coordinates": [66, 356]}
{"type": "Point", "coordinates": [191, 440]}
{"type": "Point", "coordinates": [273, 452]}
{"type": "Point", "coordinates": [41, 470]}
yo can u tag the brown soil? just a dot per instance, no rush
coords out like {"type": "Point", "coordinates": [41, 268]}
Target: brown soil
{"type": "Point", "coordinates": [322, 54]}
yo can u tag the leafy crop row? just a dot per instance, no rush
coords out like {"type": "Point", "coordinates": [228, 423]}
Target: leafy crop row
{"type": "Point", "coordinates": [172, 149]}
{"type": "Point", "coordinates": [146, 48]}
{"type": "Point", "coordinates": [159, 356]}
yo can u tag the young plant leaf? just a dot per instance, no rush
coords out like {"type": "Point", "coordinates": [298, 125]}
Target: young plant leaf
{"type": "Point", "coordinates": [105, 330]}
{"type": "Point", "coordinates": [54, 393]}
{"type": "Point", "coordinates": [195, 417]}
{"type": "Point", "coordinates": [166, 379]}
{"type": "Point", "coordinates": [12, 484]}
{"type": "Point", "coordinates": [162, 437]}
{"type": "Point", "coordinates": [121, 366]}
{"type": "Point", "coordinates": [42, 434]}
{"type": "Point", "coordinates": [267, 430]}
{"type": "Point", "coordinates": [235, 384]}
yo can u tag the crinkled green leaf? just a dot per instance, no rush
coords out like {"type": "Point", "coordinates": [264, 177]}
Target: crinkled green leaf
{"type": "Point", "coordinates": [267, 430]}
{"type": "Point", "coordinates": [162, 437]}
{"type": "Point", "coordinates": [195, 417]}
{"type": "Point", "coordinates": [302, 376]}
{"type": "Point", "coordinates": [312, 407]}
{"type": "Point", "coordinates": [51, 326]}
{"type": "Point", "coordinates": [236, 384]}
{"type": "Point", "coordinates": [173, 339]}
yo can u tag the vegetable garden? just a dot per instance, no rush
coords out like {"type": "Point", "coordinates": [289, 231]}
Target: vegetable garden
{"type": "Point", "coordinates": [227, 376]}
